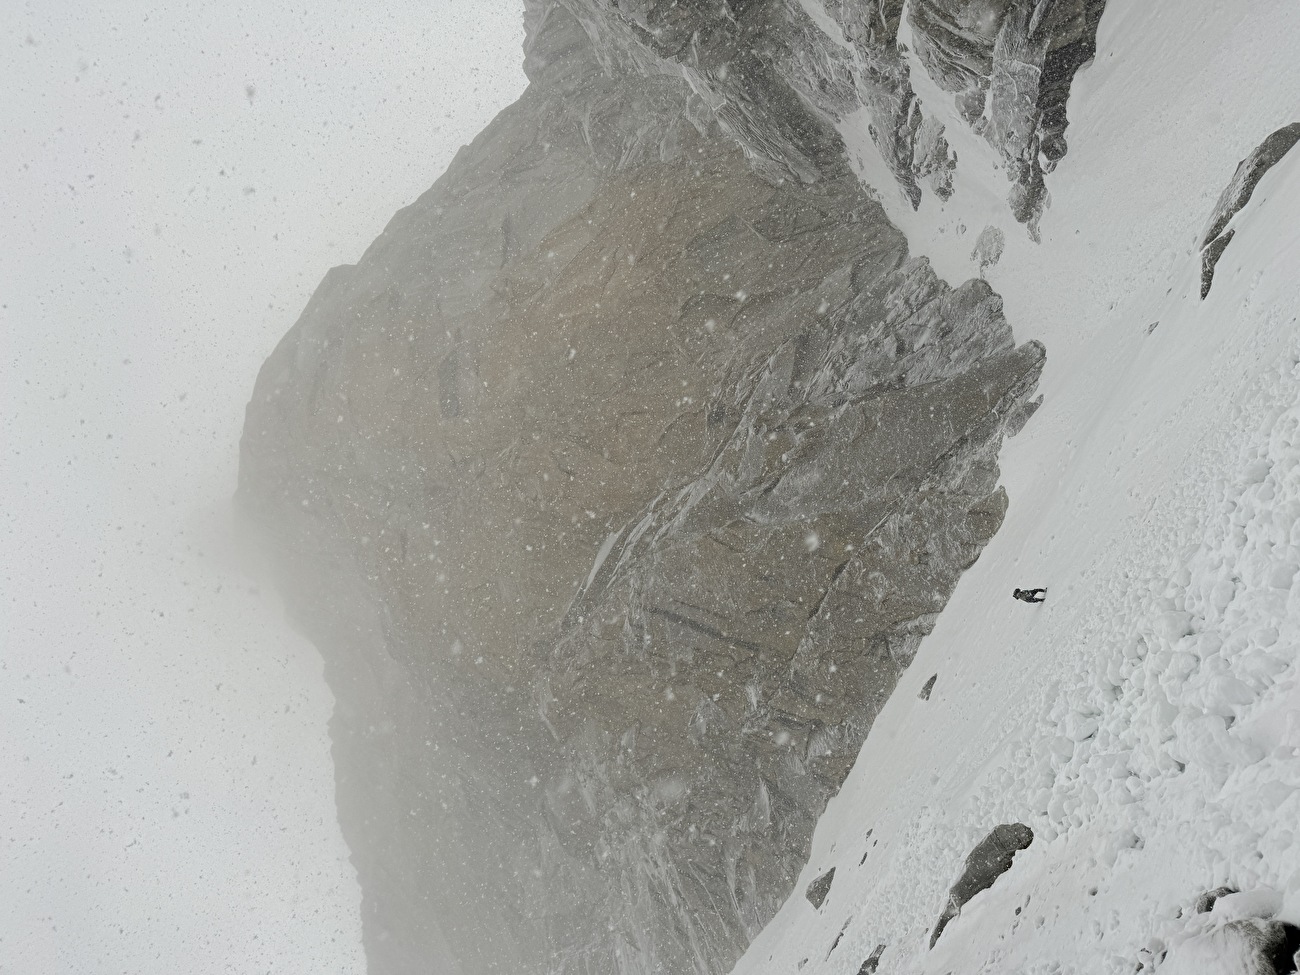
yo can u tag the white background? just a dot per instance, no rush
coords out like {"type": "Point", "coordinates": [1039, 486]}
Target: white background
{"type": "Point", "coordinates": [174, 180]}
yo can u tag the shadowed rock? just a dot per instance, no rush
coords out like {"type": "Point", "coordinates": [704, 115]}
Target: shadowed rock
{"type": "Point", "coordinates": [1010, 64]}
{"type": "Point", "coordinates": [985, 864]}
{"type": "Point", "coordinates": [1250, 946]}
{"type": "Point", "coordinates": [1237, 194]}
{"type": "Point", "coordinates": [1205, 902]}
{"type": "Point", "coordinates": [1248, 937]}
{"type": "Point", "coordinates": [872, 961]}
{"type": "Point", "coordinates": [781, 75]}
{"type": "Point", "coordinates": [819, 889]}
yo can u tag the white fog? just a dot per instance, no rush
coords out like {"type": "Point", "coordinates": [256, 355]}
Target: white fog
{"type": "Point", "coordinates": [177, 177]}
{"type": "Point", "coordinates": [793, 487]}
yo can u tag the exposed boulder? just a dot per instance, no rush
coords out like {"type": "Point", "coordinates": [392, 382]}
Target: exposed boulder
{"type": "Point", "coordinates": [1231, 932]}
{"type": "Point", "coordinates": [872, 961]}
{"type": "Point", "coordinates": [819, 889]}
{"type": "Point", "coordinates": [990, 859]}
{"type": "Point", "coordinates": [1237, 194]}
{"type": "Point", "coordinates": [1241, 947]}
{"type": "Point", "coordinates": [1205, 902]}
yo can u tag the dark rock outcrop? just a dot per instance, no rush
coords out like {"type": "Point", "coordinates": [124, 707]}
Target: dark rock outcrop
{"type": "Point", "coordinates": [990, 859]}
{"type": "Point", "coordinates": [924, 693]}
{"type": "Point", "coordinates": [780, 78]}
{"type": "Point", "coordinates": [1281, 946]}
{"type": "Point", "coordinates": [1237, 194]}
{"type": "Point", "coordinates": [1206, 901]}
{"type": "Point", "coordinates": [1258, 943]}
{"type": "Point", "coordinates": [618, 483]}
{"type": "Point", "coordinates": [820, 889]}
{"type": "Point", "coordinates": [872, 961]}
{"type": "Point", "coordinates": [1252, 946]}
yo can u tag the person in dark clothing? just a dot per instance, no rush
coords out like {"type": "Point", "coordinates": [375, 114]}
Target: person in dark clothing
{"type": "Point", "coordinates": [1030, 595]}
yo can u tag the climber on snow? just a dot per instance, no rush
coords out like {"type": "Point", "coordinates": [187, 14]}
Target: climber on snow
{"type": "Point", "coordinates": [1030, 595]}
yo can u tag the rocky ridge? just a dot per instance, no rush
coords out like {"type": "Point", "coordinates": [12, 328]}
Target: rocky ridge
{"type": "Point", "coordinates": [782, 76]}
{"type": "Point", "coordinates": [617, 484]}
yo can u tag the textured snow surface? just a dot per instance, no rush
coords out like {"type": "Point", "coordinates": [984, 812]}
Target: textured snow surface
{"type": "Point", "coordinates": [1145, 720]}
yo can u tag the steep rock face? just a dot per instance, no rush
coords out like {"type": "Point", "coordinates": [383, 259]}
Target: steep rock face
{"type": "Point", "coordinates": [617, 484]}
{"type": "Point", "coordinates": [780, 74]}
{"type": "Point", "coordinates": [1010, 63]}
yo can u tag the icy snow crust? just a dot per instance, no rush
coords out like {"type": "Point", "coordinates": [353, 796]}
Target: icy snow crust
{"type": "Point", "coordinates": [1144, 721]}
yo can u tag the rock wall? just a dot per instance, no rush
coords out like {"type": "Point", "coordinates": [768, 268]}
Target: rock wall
{"type": "Point", "coordinates": [781, 74]}
{"type": "Point", "coordinates": [617, 484]}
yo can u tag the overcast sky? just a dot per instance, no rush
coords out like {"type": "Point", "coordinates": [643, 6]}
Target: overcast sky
{"type": "Point", "coordinates": [174, 181]}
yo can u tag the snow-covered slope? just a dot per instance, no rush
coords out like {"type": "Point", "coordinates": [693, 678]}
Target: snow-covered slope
{"type": "Point", "coordinates": [1145, 721]}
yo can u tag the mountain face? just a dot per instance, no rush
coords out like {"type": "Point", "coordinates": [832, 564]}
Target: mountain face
{"type": "Point", "coordinates": [619, 480]}
{"type": "Point", "coordinates": [776, 71]}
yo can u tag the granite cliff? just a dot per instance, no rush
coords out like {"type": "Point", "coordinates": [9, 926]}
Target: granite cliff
{"type": "Point", "coordinates": [619, 480]}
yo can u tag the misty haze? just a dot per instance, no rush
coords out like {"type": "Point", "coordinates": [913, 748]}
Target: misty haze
{"type": "Point", "coordinates": [683, 487]}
